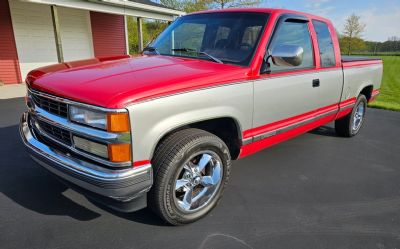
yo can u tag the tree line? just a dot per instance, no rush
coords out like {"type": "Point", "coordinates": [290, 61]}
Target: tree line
{"type": "Point", "coordinates": [352, 42]}
{"type": "Point", "coordinates": [198, 5]}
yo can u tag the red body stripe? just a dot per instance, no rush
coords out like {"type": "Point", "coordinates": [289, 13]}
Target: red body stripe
{"type": "Point", "coordinates": [343, 113]}
{"type": "Point", "coordinates": [347, 102]}
{"type": "Point", "coordinates": [374, 94]}
{"type": "Point", "coordinates": [269, 141]}
{"type": "Point", "coordinates": [289, 121]}
{"type": "Point", "coordinates": [140, 163]}
{"type": "Point", "coordinates": [361, 63]}
{"type": "Point", "coordinates": [265, 143]}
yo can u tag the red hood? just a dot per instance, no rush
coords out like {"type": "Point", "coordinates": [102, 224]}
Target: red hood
{"type": "Point", "coordinates": [117, 83]}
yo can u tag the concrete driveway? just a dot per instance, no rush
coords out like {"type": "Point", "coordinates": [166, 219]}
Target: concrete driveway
{"type": "Point", "coordinates": [315, 191]}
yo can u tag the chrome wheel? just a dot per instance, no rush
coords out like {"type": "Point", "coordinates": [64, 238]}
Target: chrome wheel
{"type": "Point", "coordinates": [198, 181]}
{"type": "Point", "coordinates": [358, 116]}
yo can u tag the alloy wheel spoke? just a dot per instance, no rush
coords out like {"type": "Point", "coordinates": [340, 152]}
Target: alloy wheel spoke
{"type": "Point", "coordinates": [198, 181]}
{"type": "Point", "coordinates": [187, 168]}
{"type": "Point", "coordinates": [200, 198]}
{"type": "Point", "coordinates": [358, 117]}
{"type": "Point", "coordinates": [207, 181]}
{"type": "Point", "coordinates": [216, 175]}
{"type": "Point", "coordinates": [181, 183]}
{"type": "Point", "coordinates": [187, 198]}
{"type": "Point", "coordinates": [204, 160]}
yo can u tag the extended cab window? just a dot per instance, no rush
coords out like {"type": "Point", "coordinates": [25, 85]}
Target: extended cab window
{"type": "Point", "coordinates": [229, 37]}
{"type": "Point", "coordinates": [293, 33]}
{"type": "Point", "coordinates": [325, 44]}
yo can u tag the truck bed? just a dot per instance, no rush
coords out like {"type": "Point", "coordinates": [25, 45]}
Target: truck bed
{"type": "Point", "coordinates": [358, 58]}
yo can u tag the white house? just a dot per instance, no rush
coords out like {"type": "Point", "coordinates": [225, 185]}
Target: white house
{"type": "Point", "coordinates": [34, 33]}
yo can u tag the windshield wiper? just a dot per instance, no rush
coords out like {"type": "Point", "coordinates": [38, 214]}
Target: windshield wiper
{"type": "Point", "coordinates": [198, 52]}
{"type": "Point", "coordinates": [151, 49]}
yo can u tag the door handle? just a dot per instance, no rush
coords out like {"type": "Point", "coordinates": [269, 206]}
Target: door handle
{"type": "Point", "coordinates": [315, 83]}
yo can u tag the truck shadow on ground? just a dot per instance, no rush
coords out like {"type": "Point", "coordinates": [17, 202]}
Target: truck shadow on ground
{"type": "Point", "coordinates": [324, 131]}
{"type": "Point", "coordinates": [144, 216]}
{"type": "Point", "coordinates": [24, 182]}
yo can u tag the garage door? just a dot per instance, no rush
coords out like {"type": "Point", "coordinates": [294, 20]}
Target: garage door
{"type": "Point", "coordinates": [76, 35]}
{"type": "Point", "coordinates": [34, 34]}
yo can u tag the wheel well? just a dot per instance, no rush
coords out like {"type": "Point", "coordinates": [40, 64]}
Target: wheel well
{"type": "Point", "coordinates": [367, 92]}
{"type": "Point", "coordinates": [226, 129]}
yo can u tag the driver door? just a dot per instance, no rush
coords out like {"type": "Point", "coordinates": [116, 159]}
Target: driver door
{"type": "Point", "coordinates": [286, 94]}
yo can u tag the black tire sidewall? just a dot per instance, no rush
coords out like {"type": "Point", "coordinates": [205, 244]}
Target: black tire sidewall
{"type": "Point", "coordinates": [202, 144]}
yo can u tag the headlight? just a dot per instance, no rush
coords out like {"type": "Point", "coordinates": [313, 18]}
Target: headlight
{"type": "Point", "coordinates": [88, 117]}
{"type": "Point", "coordinates": [117, 122]}
{"type": "Point", "coordinates": [113, 122]}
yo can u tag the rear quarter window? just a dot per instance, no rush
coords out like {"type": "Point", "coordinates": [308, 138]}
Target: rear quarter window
{"type": "Point", "coordinates": [325, 44]}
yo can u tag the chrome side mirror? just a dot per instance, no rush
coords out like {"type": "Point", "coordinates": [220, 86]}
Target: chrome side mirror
{"type": "Point", "coordinates": [287, 55]}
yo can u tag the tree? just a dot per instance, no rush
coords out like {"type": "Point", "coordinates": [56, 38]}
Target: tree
{"type": "Point", "coordinates": [187, 5]}
{"type": "Point", "coordinates": [357, 45]}
{"type": "Point", "coordinates": [151, 29]}
{"type": "Point", "coordinates": [352, 32]}
{"type": "Point", "coordinates": [197, 5]}
{"type": "Point", "coordinates": [222, 4]}
{"type": "Point", "coordinates": [174, 4]}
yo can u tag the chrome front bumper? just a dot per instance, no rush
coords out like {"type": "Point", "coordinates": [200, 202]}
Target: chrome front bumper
{"type": "Point", "coordinates": [121, 185]}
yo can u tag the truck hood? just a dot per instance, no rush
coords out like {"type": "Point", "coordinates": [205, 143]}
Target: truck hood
{"type": "Point", "coordinates": [118, 83]}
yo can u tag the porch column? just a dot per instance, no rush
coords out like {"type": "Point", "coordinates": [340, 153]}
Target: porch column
{"type": "Point", "coordinates": [126, 34]}
{"type": "Point", "coordinates": [57, 36]}
{"type": "Point", "coordinates": [140, 34]}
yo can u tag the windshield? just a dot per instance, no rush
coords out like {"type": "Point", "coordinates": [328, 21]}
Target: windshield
{"type": "Point", "coordinates": [229, 37]}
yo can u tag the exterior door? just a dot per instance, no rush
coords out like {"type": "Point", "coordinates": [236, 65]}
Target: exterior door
{"type": "Point", "coordinates": [286, 95]}
{"type": "Point", "coordinates": [330, 73]}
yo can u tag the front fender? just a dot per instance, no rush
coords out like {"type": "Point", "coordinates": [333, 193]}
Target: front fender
{"type": "Point", "coordinates": [152, 120]}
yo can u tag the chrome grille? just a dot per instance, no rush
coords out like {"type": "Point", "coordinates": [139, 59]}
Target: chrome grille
{"type": "Point", "coordinates": [55, 132]}
{"type": "Point", "coordinates": [52, 106]}
{"type": "Point", "coordinates": [50, 121]}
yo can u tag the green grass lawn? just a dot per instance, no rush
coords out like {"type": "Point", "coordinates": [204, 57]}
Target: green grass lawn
{"type": "Point", "coordinates": [390, 89]}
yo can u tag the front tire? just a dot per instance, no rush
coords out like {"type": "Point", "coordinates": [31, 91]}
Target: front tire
{"type": "Point", "coordinates": [350, 124]}
{"type": "Point", "coordinates": [191, 169]}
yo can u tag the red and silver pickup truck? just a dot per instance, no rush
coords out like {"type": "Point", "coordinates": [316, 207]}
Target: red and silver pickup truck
{"type": "Point", "coordinates": [160, 130]}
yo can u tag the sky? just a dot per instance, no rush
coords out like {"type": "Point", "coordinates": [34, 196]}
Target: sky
{"type": "Point", "coordinates": [381, 17]}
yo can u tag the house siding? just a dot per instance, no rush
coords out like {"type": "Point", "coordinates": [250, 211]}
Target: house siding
{"type": "Point", "coordinates": [108, 33]}
{"type": "Point", "coordinates": [34, 35]}
{"type": "Point", "coordinates": [9, 65]}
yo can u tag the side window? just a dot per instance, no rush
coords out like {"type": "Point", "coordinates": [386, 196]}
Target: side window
{"type": "Point", "coordinates": [325, 44]}
{"type": "Point", "coordinates": [293, 33]}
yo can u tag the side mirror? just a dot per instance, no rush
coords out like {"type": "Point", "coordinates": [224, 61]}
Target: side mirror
{"type": "Point", "coordinates": [287, 55]}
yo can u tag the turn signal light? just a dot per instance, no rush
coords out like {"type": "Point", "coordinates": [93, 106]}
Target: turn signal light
{"type": "Point", "coordinates": [118, 122]}
{"type": "Point", "coordinates": [119, 152]}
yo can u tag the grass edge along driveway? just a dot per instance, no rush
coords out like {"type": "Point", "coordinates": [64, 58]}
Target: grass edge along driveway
{"type": "Point", "coordinates": [389, 97]}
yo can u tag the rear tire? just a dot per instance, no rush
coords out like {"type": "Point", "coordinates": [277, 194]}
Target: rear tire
{"type": "Point", "coordinates": [191, 169]}
{"type": "Point", "coordinates": [351, 124]}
